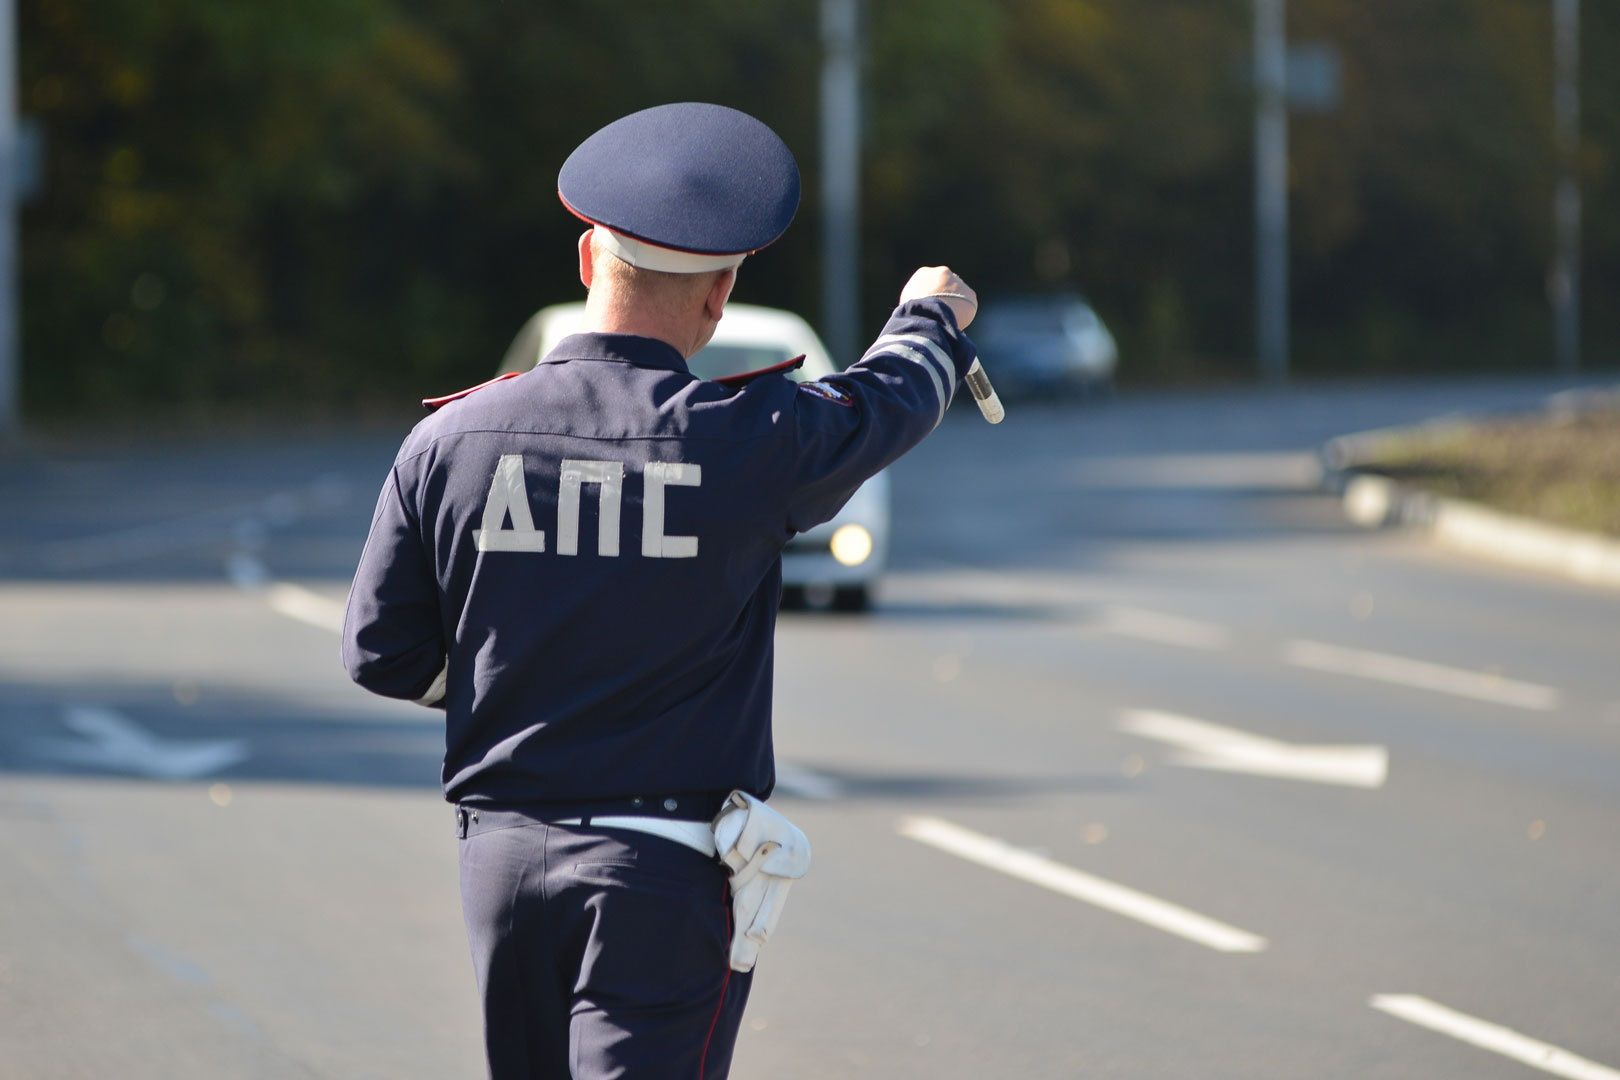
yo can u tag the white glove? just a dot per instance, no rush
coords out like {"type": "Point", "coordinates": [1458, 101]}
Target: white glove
{"type": "Point", "coordinates": [765, 853]}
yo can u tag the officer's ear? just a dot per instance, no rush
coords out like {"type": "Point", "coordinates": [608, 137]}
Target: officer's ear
{"type": "Point", "coordinates": [714, 304]}
{"type": "Point", "coordinates": [587, 271]}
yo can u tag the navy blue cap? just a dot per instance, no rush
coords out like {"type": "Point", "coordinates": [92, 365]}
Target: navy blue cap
{"type": "Point", "coordinates": [687, 179]}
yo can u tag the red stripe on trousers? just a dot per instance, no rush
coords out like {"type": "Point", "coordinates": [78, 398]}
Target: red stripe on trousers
{"type": "Point", "coordinates": [703, 1062]}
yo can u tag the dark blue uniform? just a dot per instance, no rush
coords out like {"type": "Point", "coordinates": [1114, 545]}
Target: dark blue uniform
{"type": "Point", "coordinates": [612, 639]}
{"type": "Point", "coordinates": [581, 566]}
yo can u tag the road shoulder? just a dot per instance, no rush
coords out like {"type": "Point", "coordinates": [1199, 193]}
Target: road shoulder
{"type": "Point", "coordinates": [1373, 500]}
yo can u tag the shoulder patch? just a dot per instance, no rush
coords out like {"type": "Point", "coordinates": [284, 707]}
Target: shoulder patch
{"type": "Point", "coordinates": [743, 378]}
{"type": "Point", "coordinates": [828, 392]}
{"type": "Point", "coordinates": [432, 403]}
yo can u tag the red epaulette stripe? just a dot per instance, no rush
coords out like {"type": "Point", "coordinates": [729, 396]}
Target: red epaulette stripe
{"type": "Point", "coordinates": [436, 402]}
{"type": "Point", "coordinates": [775, 369]}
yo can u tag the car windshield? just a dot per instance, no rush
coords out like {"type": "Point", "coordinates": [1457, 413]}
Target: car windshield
{"type": "Point", "coordinates": [733, 358]}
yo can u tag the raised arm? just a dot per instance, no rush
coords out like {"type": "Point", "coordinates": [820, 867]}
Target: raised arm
{"type": "Point", "coordinates": [851, 425]}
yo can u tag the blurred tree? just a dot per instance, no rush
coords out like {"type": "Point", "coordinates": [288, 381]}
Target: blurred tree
{"type": "Point", "coordinates": [1600, 121]}
{"type": "Point", "coordinates": [541, 77]}
{"type": "Point", "coordinates": [1423, 201]}
{"type": "Point", "coordinates": [225, 193]}
{"type": "Point", "coordinates": [354, 200]}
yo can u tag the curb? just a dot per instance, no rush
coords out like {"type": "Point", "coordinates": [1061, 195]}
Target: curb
{"type": "Point", "coordinates": [1373, 501]}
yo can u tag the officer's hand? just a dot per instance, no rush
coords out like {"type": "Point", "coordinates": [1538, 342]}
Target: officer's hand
{"type": "Point", "coordinates": [939, 281]}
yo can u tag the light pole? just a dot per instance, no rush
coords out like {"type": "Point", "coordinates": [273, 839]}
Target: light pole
{"type": "Point", "coordinates": [1564, 282]}
{"type": "Point", "coordinates": [1271, 188]}
{"type": "Point", "coordinates": [10, 161]}
{"type": "Point", "coordinates": [840, 175]}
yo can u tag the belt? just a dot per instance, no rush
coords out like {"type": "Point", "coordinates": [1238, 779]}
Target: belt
{"type": "Point", "coordinates": [677, 806]}
{"type": "Point", "coordinates": [697, 835]}
{"type": "Point", "coordinates": [694, 834]}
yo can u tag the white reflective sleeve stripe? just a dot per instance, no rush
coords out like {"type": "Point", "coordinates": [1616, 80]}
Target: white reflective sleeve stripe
{"type": "Point", "coordinates": [508, 494]}
{"type": "Point", "coordinates": [947, 369]}
{"type": "Point", "coordinates": [658, 475]}
{"type": "Point", "coordinates": [938, 364]}
{"type": "Point", "coordinates": [435, 693]}
{"type": "Point", "coordinates": [894, 348]}
{"type": "Point", "coordinates": [609, 478]}
{"type": "Point", "coordinates": [694, 834]}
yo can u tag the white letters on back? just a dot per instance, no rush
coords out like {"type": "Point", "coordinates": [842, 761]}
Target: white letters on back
{"type": "Point", "coordinates": [609, 476]}
{"type": "Point", "coordinates": [509, 498]}
{"type": "Point", "coordinates": [509, 495]}
{"type": "Point", "coordinates": [654, 544]}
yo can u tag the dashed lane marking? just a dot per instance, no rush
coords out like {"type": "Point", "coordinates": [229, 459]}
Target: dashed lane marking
{"type": "Point", "coordinates": [1422, 675]}
{"type": "Point", "coordinates": [249, 573]}
{"type": "Point", "coordinates": [1118, 619]}
{"type": "Point", "coordinates": [1493, 1037]}
{"type": "Point", "coordinates": [1038, 870]}
{"type": "Point", "coordinates": [1164, 629]}
{"type": "Point", "coordinates": [297, 602]}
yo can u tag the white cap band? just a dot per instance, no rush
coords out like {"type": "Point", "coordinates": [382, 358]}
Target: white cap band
{"type": "Point", "coordinates": [652, 257]}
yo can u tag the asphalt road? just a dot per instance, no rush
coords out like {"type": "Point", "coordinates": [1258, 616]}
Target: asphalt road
{"type": "Point", "coordinates": [1147, 765]}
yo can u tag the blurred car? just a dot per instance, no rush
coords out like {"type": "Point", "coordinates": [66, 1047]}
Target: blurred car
{"type": "Point", "coordinates": [836, 564]}
{"type": "Point", "coordinates": [1045, 345]}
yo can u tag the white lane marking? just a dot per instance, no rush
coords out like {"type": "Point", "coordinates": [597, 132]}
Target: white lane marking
{"type": "Point", "coordinates": [1039, 870]}
{"type": "Point", "coordinates": [1121, 620]}
{"type": "Point", "coordinates": [1477, 685]}
{"type": "Point", "coordinates": [1493, 1037]}
{"type": "Point", "coordinates": [1211, 746]}
{"type": "Point", "coordinates": [249, 573]}
{"type": "Point", "coordinates": [108, 739]}
{"type": "Point", "coordinates": [297, 602]}
{"type": "Point", "coordinates": [1164, 629]}
{"type": "Point", "coordinates": [801, 783]}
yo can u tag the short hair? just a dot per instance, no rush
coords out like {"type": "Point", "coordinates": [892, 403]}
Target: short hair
{"type": "Point", "coordinates": [646, 286]}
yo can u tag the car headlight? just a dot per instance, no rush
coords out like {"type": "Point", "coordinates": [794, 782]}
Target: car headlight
{"type": "Point", "coordinates": [851, 545]}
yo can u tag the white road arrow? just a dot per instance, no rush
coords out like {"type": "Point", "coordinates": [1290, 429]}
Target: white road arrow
{"type": "Point", "coordinates": [113, 741]}
{"type": "Point", "coordinates": [1210, 746]}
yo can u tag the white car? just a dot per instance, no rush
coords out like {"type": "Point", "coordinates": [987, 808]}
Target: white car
{"type": "Point", "coordinates": [836, 564]}
{"type": "Point", "coordinates": [1046, 345]}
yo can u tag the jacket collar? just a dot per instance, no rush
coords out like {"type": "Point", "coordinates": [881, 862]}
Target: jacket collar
{"type": "Point", "coordinates": [619, 349]}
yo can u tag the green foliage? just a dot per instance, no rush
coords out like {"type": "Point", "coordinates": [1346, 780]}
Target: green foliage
{"type": "Point", "coordinates": [216, 187]}
{"type": "Point", "coordinates": [354, 200]}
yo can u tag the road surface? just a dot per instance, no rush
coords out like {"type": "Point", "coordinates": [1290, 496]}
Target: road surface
{"type": "Point", "coordinates": [1147, 765]}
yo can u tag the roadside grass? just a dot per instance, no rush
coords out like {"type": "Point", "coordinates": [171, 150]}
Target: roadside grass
{"type": "Point", "coordinates": [1563, 469]}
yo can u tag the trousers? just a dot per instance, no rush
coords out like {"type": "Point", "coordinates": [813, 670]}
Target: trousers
{"type": "Point", "coordinates": [599, 953]}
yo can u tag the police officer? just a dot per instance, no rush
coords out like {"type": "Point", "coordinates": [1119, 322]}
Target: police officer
{"type": "Point", "coordinates": [581, 566]}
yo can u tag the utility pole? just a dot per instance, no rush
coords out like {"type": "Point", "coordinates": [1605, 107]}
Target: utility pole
{"type": "Point", "coordinates": [1271, 187]}
{"type": "Point", "coordinates": [840, 176]}
{"type": "Point", "coordinates": [10, 162]}
{"type": "Point", "coordinates": [1564, 282]}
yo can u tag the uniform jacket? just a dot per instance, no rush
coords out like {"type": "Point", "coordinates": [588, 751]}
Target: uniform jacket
{"type": "Point", "coordinates": [582, 565]}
